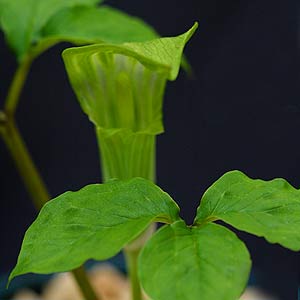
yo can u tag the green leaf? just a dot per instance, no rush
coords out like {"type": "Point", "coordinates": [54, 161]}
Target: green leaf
{"type": "Point", "coordinates": [89, 25]}
{"type": "Point", "coordinates": [22, 20]}
{"type": "Point", "coordinates": [188, 263]}
{"type": "Point", "coordinates": [95, 222]}
{"type": "Point", "coordinates": [269, 209]}
{"type": "Point", "coordinates": [96, 24]}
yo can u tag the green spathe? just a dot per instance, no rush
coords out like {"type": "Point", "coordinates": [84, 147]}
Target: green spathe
{"type": "Point", "coordinates": [126, 154]}
{"type": "Point", "coordinates": [115, 90]}
{"type": "Point", "coordinates": [95, 222]}
{"type": "Point", "coordinates": [158, 54]}
{"type": "Point", "coordinates": [269, 209]}
{"type": "Point", "coordinates": [120, 87]}
{"type": "Point", "coordinates": [189, 263]}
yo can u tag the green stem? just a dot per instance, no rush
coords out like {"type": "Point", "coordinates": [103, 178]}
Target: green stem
{"type": "Point", "coordinates": [25, 165]}
{"type": "Point", "coordinates": [84, 284]}
{"type": "Point", "coordinates": [14, 142]}
{"type": "Point", "coordinates": [16, 86]}
{"type": "Point", "coordinates": [132, 252]}
{"type": "Point", "coordinates": [132, 266]}
{"type": "Point", "coordinates": [24, 162]}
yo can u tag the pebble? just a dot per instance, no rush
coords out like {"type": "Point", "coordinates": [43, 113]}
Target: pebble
{"type": "Point", "coordinates": [107, 282]}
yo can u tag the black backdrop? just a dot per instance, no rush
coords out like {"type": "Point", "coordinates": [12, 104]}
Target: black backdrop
{"type": "Point", "coordinates": [241, 110]}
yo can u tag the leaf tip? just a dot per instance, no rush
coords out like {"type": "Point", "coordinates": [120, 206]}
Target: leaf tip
{"type": "Point", "coordinates": [12, 275]}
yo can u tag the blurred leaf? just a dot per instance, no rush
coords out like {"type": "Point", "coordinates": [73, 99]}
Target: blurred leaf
{"type": "Point", "coordinates": [22, 20]}
{"type": "Point", "coordinates": [90, 25]}
{"type": "Point", "coordinates": [95, 222]}
{"type": "Point", "coordinates": [270, 209]}
{"type": "Point", "coordinates": [188, 263]}
{"type": "Point", "coordinates": [94, 25]}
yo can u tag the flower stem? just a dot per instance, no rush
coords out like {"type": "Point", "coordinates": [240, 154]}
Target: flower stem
{"type": "Point", "coordinates": [23, 160]}
{"type": "Point", "coordinates": [25, 165]}
{"type": "Point", "coordinates": [132, 252]}
{"type": "Point", "coordinates": [16, 86]}
{"type": "Point", "coordinates": [84, 284]}
{"type": "Point", "coordinates": [14, 141]}
{"type": "Point", "coordinates": [132, 266]}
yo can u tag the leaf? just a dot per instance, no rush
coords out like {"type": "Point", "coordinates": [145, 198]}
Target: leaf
{"type": "Point", "coordinates": [95, 222]}
{"type": "Point", "coordinates": [22, 20]}
{"type": "Point", "coordinates": [188, 263]}
{"type": "Point", "coordinates": [269, 209]}
{"type": "Point", "coordinates": [97, 24]}
{"type": "Point", "coordinates": [89, 25]}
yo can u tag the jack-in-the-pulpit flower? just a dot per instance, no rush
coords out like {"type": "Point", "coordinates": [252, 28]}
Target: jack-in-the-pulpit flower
{"type": "Point", "coordinates": [120, 87]}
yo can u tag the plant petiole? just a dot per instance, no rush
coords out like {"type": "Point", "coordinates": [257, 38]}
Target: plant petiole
{"type": "Point", "coordinates": [23, 160]}
{"type": "Point", "coordinates": [84, 284]}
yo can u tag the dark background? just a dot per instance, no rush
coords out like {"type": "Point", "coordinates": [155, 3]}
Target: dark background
{"type": "Point", "coordinates": [241, 110]}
